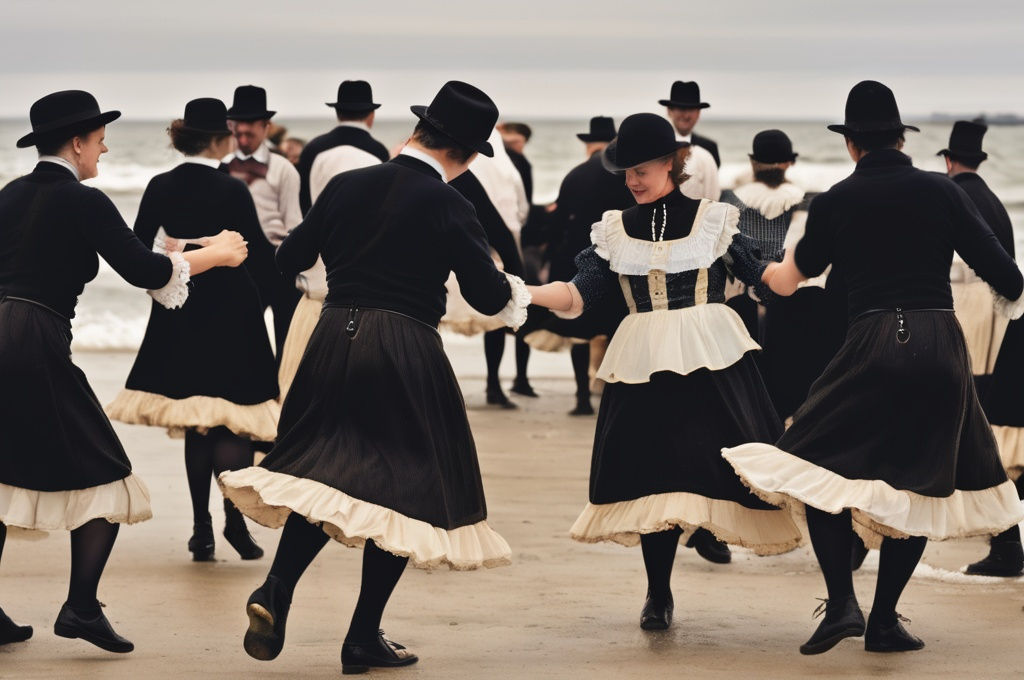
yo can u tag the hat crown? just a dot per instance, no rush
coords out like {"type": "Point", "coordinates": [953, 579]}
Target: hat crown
{"type": "Point", "coordinates": [206, 114]}
{"type": "Point", "coordinates": [772, 146]}
{"type": "Point", "coordinates": [250, 102]}
{"type": "Point", "coordinates": [871, 107]}
{"type": "Point", "coordinates": [642, 137]}
{"type": "Point", "coordinates": [602, 126]}
{"type": "Point", "coordinates": [59, 105]}
{"type": "Point", "coordinates": [463, 112]}
{"type": "Point", "coordinates": [355, 96]}
{"type": "Point", "coordinates": [683, 91]}
{"type": "Point", "coordinates": [966, 137]}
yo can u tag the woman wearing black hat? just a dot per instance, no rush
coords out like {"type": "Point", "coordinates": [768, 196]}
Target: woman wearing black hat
{"type": "Point", "coordinates": [209, 371]}
{"type": "Point", "coordinates": [892, 438]}
{"type": "Point", "coordinates": [61, 465]}
{"type": "Point", "coordinates": [681, 380]}
{"type": "Point", "coordinates": [375, 449]}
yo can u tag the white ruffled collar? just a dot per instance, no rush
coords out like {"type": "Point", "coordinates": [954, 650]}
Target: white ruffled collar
{"type": "Point", "coordinates": [768, 201]}
{"type": "Point", "coordinates": [713, 230]}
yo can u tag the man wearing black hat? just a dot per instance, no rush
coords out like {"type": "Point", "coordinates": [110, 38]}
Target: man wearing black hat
{"type": "Point", "coordinates": [356, 111]}
{"type": "Point", "coordinates": [274, 185]}
{"type": "Point", "coordinates": [683, 107]}
{"type": "Point", "coordinates": [1002, 391]}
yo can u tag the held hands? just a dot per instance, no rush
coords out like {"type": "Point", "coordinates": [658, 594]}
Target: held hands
{"type": "Point", "coordinates": [232, 247]}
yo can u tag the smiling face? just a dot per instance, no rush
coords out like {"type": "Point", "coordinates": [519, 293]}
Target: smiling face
{"type": "Point", "coordinates": [88, 149]}
{"type": "Point", "coordinates": [683, 120]}
{"type": "Point", "coordinates": [651, 180]}
{"type": "Point", "coordinates": [249, 134]}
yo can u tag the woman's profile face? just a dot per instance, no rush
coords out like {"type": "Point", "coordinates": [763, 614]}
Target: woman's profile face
{"type": "Point", "coordinates": [88, 150]}
{"type": "Point", "coordinates": [650, 181]}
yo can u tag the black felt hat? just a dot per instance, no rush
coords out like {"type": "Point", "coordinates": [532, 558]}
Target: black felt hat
{"type": "Point", "coordinates": [206, 115]}
{"type": "Point", "coordinates": [684, 95]}
{"type": "Point", "coordinates": [602, 129]}
{"type": "Point", "coordinates": [250, 104]}
{"type": "Point", "coordinates": [64, 112]}
{"type": "Point", "coordinates": [871, 107]}
{"type": "Point", "coordinates": [772, 146]}
{"type": "Point", "coordinates": [463, 113]}
{"type": "Point", "coordinates": [642, 137]}
{"type": "Point", "coordinates": [355, 96]}
{"type": "Point", "coordinates": [965, 141]}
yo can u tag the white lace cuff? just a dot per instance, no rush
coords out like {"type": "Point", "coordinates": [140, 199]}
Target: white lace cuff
{"type": "Point", "coordinates": [174, 294]}
{"type": "Point", "coordinates": [514, 312]}
{"type": "Point", "coordinates": [1011, 309]}
{"type": "Point", "coordinates": [577, 304]}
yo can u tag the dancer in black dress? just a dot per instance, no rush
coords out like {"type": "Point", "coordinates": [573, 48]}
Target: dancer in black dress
{"type": "Point", "coordinates": [61, 465]}
{"type": "Point", "coordinates": [892, 437]}
{"type": "Point", "coordinates": [681, 379]}
{"type": "Point", "coordinates": [209, 371]}
{"type": "Point", "coordinates": [375, 449]}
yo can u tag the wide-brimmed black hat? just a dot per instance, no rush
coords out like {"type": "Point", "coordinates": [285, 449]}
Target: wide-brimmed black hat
{"type": "Point", "coordinates": [642, 137]}
{"type": "Point", "coordinates": [250, 104]}
{"type": "Point", "coordinates": [463, 113]}
{"type": "Point", "coordinates": [602, 129]}
{"type": "Point", "coordinates": [206, 115]}
{"type": "Point", "coordinates": [684, 95]}
{"type": "Point", "coordinates": [871, 107]}
{"type": "Point", "coordinates": [355, 96]}
{"type": "Point", "coordinates": [772, 146]}
{"type": "Point", "coordinates": [965, 141]}
{"type": "Point", "coordinates": [64, 112]}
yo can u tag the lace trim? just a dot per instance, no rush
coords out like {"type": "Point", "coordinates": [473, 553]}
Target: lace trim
{"type": "Point", "coordinates": [514, 312]}
{"type": "Point", "coordinates": [768, 201]}
{"type": "Point", "coordinates": [1011, 309]}
{"type": "Point", "coordinates": [715, 227]}
{"type": "Point", "coordinates": [175, 293]}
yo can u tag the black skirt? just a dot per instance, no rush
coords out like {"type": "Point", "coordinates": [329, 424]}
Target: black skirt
{"type": "Point", "coordinates": [374, 442]}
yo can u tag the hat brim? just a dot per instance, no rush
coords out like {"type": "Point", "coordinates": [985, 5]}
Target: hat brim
{"type": "Point", "coordinates": [259, 115]}
{"type": "Point", "coordinates": [220, 131]}
{"type": "Point", "coordinates": [847, 131]}
{"type": "Point", "coordinates": [585, 137]}
{"type": "Point", "coordinates": [684, 105]}
{"type": "Point", "coordinates": [966, 155]}
{"type": "Point", "coordinates": [483, 147]}
{"type": "Point", "coordinates": [791, 159]}
{"type": "Point", "coordinates": [354, 108]}
{"type": "Point", "coordinates": [32, 138]}
{"type": "Point", "coordinates": [612, 166]}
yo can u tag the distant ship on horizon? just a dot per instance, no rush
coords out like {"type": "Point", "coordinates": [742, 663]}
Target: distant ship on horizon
{"type": "Point", "coordinates": [987, 119]}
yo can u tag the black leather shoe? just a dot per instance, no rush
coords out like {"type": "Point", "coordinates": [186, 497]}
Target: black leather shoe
{"type": "Point", "coordinates": [857, 554]}
{"type": "Point", "coordinates": [238, 534]}
{"type": "Point", "coordinates": [709, 547]}
{"type": "Point", "coordinates": [96, 630]}
{"type": "Point", "coordinates": [1004, 559]}
{"type": "Point", "coordinates": [267, 609]}
{"type": "Point", "coordinates": [843, 619]}
{"type": "Point", "coordinates": [656, 614]}
{"type": "Point", "coordinates": [359, 657]}
{"type": "Point", "coordinates": [201, 544]}
{"type": "Point", "coordinates": [895, 638]}
{"type": "Point", "coordinates": [12, 632]}
{"type": "Point", "coordinates": [522, 387]}
{"type": "Point", "coordinates": [583, 407]}
{"type": "Point", "coordinates": [496, 397]}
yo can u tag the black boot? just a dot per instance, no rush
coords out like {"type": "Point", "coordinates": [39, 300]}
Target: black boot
{"type": "Point", "coordinates": [843, 619]}
{"type": "Point", "coordinates": [201, 544]}
{"type": "Point", "coordinates": [1005, 556]}
{"type": "Point", "coordinates": [583, 407]}
{"type": "Point", "coordinates": [267, 609]}
{"type": "Point", "coordinates": [709, 547]}
{"type": "Point", "coordinates": [883, 637]}
{"type": "Point", "coordinates": [92, 627]}
{"type": "Point", "coordinates": [359, 657]}
{"type": "Point", "coordinates": [238, 534]}
{"type": "Point", "coordinates": [496, 397]}
{"type": "Point", "coordinates": [656, 614]}
{"type": "Point", "coordinates": [12, 632]}
{"type": "Point", "coordinates": [522, 387]}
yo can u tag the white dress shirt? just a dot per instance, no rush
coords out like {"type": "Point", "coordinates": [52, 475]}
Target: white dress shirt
{"type": "Point", "coordinates": [276, 196]}
{"type": "Point", "coordinates": [703, 172]}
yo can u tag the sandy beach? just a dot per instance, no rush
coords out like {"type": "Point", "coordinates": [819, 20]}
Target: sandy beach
{"type": "Point", "coordinates": [561, 610]}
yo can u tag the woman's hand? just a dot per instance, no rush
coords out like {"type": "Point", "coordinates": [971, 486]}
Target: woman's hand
{"type": "Point", "coordinates": [229, 245]}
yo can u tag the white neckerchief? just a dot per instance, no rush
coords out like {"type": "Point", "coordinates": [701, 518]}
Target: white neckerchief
{"type": "Point", "coordinates": [355, 124]}
{"type": "Point", "coordinates": [429, 160]}
{"type": "Point", "coordinates": [261, 154]}
{"type": "Point", "coordinates": [64, 162]}
{"type": "Point", "coordinates": [684, 138]}
{"type": "Point", "coordinates": [203, 160]}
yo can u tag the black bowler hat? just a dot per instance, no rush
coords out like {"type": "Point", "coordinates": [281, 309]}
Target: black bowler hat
{"type": "Point", "coordinates": [602, 129]}
{"type": "Point", "coordinates": [684, 95]}
{"type": "Point", "coordinates": [355, 96]}
{"type": "Point", "coordinates": [64, 112]}
{"type": "Point", "coordinates": [642, 137]}
{"type": "Point", "coordinates": [965, 141]}
{"type": "Point", "coordinates": [206, 115]}
{"type": "Point", "coordinates": [871, 107]}
{"type": "Point", "coordinates": [463, 113]}
{"type": "Point", "coordinates": [772, 146]}
{"type": "Point", "coordinates": [250, 104]}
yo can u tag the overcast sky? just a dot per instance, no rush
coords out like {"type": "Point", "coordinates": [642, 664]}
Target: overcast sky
{"type": "Point", "coordinates": [556, 58]}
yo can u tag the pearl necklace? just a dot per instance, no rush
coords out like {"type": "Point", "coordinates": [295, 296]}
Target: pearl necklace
{"type": "Point", "coordinates": [664, 221]}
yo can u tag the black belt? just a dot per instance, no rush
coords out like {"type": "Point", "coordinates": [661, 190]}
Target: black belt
{"type": "Point", "coordinates": [352, 327]}
{"type": "Point", "coordinates": [902, 330]}
{"type": "Point", "coordinates": [5, 296]}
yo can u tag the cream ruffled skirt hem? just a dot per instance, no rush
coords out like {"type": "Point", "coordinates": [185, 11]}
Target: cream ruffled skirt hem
{"type": "Point", "coordinates": [878, 509]}
{"type": "Point", "coordinates": [125, 501]}
{"type": "Point", "coordinates": [304, 320]}
{"type": "Point", "coordinates": [269, 497]}
{"type": "Point", "coordinates": [546, 341]}
{"type": "Point", "coordinates": [1011, 448]}
{"type": "Point", "coordinates": [708, 336]}
{"type": "Point", "coordinates": [766, 532]}
{"type": "Point", "coordinates": [257, 421]}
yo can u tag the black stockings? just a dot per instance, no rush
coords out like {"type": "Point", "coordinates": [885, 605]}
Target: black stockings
{"type": "Point", "coordinates": [580, 355]}
{"type": "Point", "coordinates": [659, 554]}
{"type": "Point", "coordinates": [3, 538]}
{"type": "Point", "coordinates": [494, 349]}
{"type": "Point", "coordinates": [833, 541]}
{"type": "Point", "coordinates": [300, 543]}
{"type": "Point", "coordinates": [91, 544]}
{"type": "Point", "coordinates": [522, 359]}
{"type": "Point", "coordinates": [208, 454]}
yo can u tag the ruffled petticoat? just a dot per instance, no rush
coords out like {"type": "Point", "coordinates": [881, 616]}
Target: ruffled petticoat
{"type": "Point", "coordinates": [307, 313]}
{"type": "Point", "coordinates": [257, 422]}
{"type": "Point", "coordinates": [125, 501]}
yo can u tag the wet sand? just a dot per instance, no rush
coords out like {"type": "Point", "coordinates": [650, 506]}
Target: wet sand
{"type": "Point", "coordinates": [562, 610]}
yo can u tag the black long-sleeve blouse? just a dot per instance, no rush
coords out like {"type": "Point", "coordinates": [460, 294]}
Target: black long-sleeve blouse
{"type": "Point", "coordinates": [892, 229]}
{"type": "Point", "coordinates": [52, 228]}
{"type": "Point", "coordinates": [389, 236]}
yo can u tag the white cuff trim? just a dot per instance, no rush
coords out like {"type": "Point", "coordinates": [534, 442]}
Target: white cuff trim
{"type": "Point", "coordinates": [174, 294]}
{"type": "Point", "coordinates": [1011, 309]}
{"type": "Point", "coordinates": [514, 312]}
